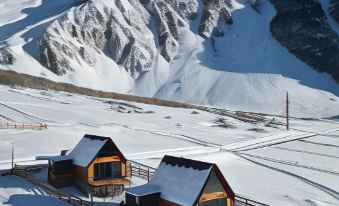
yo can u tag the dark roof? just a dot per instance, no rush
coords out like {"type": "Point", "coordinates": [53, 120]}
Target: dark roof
{"type": "Point", "coordinates": [182, 181]}
{"type": "Point", "coordinates": [95, 137]}
{"type": "Point", "coordinates": [87, 149]}
{"type": "Point", "coordinates": [143, 190]}
{"type": "Point", "coordinates": [183, 162]}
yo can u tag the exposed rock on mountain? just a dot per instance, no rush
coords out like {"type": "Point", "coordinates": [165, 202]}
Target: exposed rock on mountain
{"type": "Point", "coordinates": [123, 33]}
{"type": "Point", "coordinates": [169, 25]}
{"type": "Point", "coordinates": [187, 9]}
{"type": "Point", "coordinates": [119, 33]}
{"type": "Point", "coordinates": [307, 35]}
{"type": "Point", "coordinates": [214, 10]}
{"type": "Point", "coordinates": [334, 10]}
{"type": "Point", "coordinates": [6, 57]}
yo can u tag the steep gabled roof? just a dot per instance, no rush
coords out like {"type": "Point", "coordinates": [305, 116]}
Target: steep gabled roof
{"type": "Point", "coordinates": [89, 146]}
{"type": "Point", "coordinates": [87, 149]}
{"type": "Point", "coordinates": [182, 180]}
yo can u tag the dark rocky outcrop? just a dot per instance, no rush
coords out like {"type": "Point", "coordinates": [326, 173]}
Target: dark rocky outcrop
{"type": "Point", "coordinates": [84, 32]}
{"type": "Point", "coordinates": [214, 10]}
{"type": "Point", "coordinates": [302, 27]}
{"type": "Point", "coordinates": [334, 10]}
{"type": "Point", "coordinates": [6, 56]}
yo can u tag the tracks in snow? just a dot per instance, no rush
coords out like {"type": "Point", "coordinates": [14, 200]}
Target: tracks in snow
{"type": "Point", "coordinates": [254, 144]}
{"type": "Point", "coordinates": [24, 113]}
{"type": "Point", "coordinates": [289, 163]}
{"type": "Point", "coordinates": [321, 187]}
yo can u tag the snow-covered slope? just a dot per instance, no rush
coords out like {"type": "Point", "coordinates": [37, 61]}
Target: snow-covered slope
{"type": "Point", "coordinates": [261, 161]}
{"type": "Point", "coordinates": [215, 52]}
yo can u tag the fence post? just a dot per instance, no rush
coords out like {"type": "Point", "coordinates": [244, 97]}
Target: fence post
{"type": "Point", "coordinates": [139, 171]}
{"type": "Point", "coordinates": [147, 174]}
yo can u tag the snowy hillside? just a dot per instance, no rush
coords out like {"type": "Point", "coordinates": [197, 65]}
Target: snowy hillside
{"type": "Point", "coordinates": [219, 53]}
{"type": "Point", "coordinates": [260, 160]}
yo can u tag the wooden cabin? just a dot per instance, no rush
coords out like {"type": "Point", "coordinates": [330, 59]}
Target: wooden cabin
{"type": "Point", "coordinates": [96, 166]}
{"type": "Point", "coordinates": [185, 182]}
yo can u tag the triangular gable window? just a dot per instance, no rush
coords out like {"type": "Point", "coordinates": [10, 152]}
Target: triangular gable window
{"type": "Point", "coordinates": [213, 193]}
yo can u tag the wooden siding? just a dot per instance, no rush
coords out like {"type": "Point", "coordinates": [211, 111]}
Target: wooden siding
{"type": "Point", "coordinates": [59, 181]}
{"type": "Point", "coordinates": [211, 196]}
{"type": "Point", "coordinates": [230, 202]}
{"type": "Point", "coordinates": [80, 174]}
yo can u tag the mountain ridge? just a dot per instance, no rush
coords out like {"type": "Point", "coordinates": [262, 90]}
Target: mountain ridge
{"type": "Point", "coordinates": [216, 52]}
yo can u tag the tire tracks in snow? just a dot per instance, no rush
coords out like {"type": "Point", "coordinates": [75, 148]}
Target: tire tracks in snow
{"type": "Point", "coordinates": [321, 187]}
{"type": "Point", "coordinates": [289, 163]}
{"type": "Point", "coordinates": [24, 113]}
{"type": "Point", "coordinates": [285, 139]}
{"type": "Point", "coordinates": [307, 152]}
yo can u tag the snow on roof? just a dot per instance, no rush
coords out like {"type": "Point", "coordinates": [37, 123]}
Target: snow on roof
{"type": "Point", "coordinates": [87, 149]}
{"type": "Point", "coordinates": [181, 180]}
{"type": "Point", "coordinates": [53, 158]}
{"type": "Point", "coordinates": [142, 190]}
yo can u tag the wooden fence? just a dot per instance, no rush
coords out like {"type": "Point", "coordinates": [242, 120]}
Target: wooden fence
{"type": "Point", "coordinates": [19, 125]}
{"type": "Point", "coordinates": [140, 170]}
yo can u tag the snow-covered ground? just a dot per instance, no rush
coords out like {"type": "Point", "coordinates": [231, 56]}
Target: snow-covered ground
{"type": "Point", "coordinates": [260, 161]}
{"type": "Point", "coordinates": [17, 192]}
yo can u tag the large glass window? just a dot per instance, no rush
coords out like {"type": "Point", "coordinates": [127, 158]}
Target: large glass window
{"type": "Point", "coordinates": [215, 202]}
{"type": "Point", "coordinates": [107, 170]}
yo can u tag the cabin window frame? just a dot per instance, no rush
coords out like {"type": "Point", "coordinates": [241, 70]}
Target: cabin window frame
{"type": "Point", "coordinates": [107, 170]}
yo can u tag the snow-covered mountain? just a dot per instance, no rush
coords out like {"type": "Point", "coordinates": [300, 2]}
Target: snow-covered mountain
{"type": "Point", "coordinates": [237, 54]}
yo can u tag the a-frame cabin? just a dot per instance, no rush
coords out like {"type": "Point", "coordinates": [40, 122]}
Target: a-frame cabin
{"type": "Point", "coordinates": [96, 166]}
{"type": "Point", "coordinates": [183, 182]}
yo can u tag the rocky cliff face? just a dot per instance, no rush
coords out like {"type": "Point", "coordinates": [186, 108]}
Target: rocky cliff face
{"type": "Point", "coordinates": [214, 11]}
{"type": "Point", "coordinates": [120, 33]}
{"type": "Point", "coordinates": [334, 10]}
{"type": "Point", "coordinates": [132, 32]}
{"type": "Point", "coordinates": [6, 56]}
{"type": "Point", "coordinates": [169, 26]}
{"type": "Point", "coordinates": [302, 27]}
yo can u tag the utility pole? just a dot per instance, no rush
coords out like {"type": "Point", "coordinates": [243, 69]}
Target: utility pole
{"type": "Point", "coordinates": [287, 112]}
